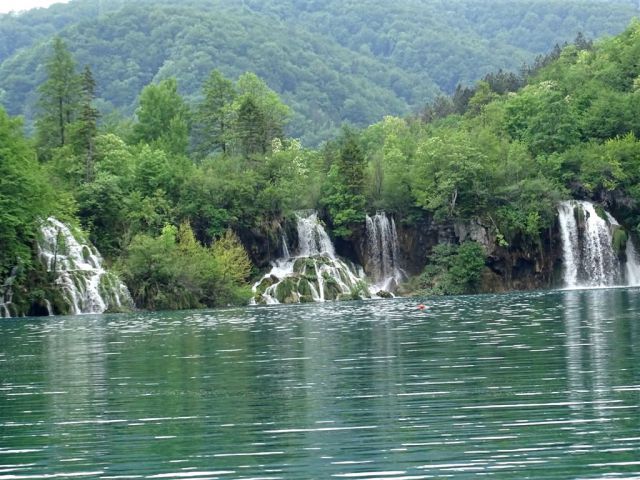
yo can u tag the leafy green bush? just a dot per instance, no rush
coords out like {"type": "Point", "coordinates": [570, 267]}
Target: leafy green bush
{"type": "Point", "coordinates": [174, 271]}
{"type": "Point", "coordinates": [453, 269]}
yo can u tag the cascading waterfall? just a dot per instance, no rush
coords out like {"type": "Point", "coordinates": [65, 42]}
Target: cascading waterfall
{"type": "Point", "coordinates": [633, 265]}
{"type": "Point", "coordinates": [383, 256]}
{"type": "Point", "coordinates": [285, 248]}
{"type": "Point", "coordinates": [6, 295]}
{"type": "Point", "coordinates": [314, 274]}
{"type": "Point", "coordinates": [589, 248]}
{"type": "Point", "coordinates": [77, 267]}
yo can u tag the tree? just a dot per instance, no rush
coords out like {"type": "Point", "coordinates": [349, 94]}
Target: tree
{"type": "Point", "coordinates": [162, 118]}
{"type": "Point", "coordinates": [86, 126]}
{"type": "Point", "coordinates": [453, 269]}
{"type": "Point", "coordinates": [545, 117]}
{"type": "Point", "coordinates": [174, 271]}
{"type": "Point", "coordinates": [344, 188]}
{"type": "Point", "coordinates": [449, 175]}
{"type": "Point", "coordinates": [25, 196]}
{"type": "Point", "coordinates": [59, 97]}
{"type": "Point", "coordinates": [260, 115]}
{"type": "Point", "coordinates": [213, 117]}
{"type": "Point", "coordinates": [251, 128]}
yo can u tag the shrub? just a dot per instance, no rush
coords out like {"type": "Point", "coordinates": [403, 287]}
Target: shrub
{"type": "Point", "coordinates": [453, 269]}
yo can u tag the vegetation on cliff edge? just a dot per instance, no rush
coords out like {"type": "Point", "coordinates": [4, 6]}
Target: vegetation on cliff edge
{"type": "Point", "coordinates": [503, 152]}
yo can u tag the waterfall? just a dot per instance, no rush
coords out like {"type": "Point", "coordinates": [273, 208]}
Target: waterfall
{"type": "Point", "coordinates": [6, 294]}
{"type": "Point", "coordinates": [77, 268]}
{"type": "Point", "coordinates": [383, 252]}
{"type": "Point", "coordinates": [285, 248]}
{"type": "Point", "coordinates": [633, 265]}
{"type": "Point", "coordinates": [312, 237]}
{"type": "Point", "coordinates": [313, 274]}
{"type": "Point", "coordinates": [589, 256]}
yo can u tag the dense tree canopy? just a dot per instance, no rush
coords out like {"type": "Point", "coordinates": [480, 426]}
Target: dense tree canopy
{"type": "Point", "coordinates": [331, 61]}
{"type": "Point", "coordinates": [180, 209]}
{"type": "Point", "coordinates": [25, 196]}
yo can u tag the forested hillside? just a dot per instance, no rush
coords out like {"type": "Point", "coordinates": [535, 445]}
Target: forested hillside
{"type": "Point", "coordinates": [330, 61]}
{"type": "Point", "coordinates": [182, 198]}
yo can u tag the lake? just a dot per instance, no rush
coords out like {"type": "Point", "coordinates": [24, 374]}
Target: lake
{"type": "Point", "coordinates": [525, 385]}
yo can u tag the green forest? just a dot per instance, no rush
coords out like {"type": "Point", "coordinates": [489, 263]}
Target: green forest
{"type": "Point", "coordinates": [182, 198]}
{"type": "Point", "coordinates": [331, 62]}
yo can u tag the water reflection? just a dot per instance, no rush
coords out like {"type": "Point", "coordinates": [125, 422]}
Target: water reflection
{"type": "Point", "coordinates": [588, 324]}
{"type": "Point", "coordinates": [540, 385]}
{"type": "Point", "coordinates": [76, 389]}
{"type": "Point", "coordinates": [573, 315]}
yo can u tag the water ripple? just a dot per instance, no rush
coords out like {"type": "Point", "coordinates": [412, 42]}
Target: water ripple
{"type": "Point", "coordinates": [537, 385]}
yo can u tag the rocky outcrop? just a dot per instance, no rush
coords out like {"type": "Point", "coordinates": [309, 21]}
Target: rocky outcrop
{"type": "Point", "coordinates": [416, 238]}
{"type": "Point", "coordinates": [518, 266]}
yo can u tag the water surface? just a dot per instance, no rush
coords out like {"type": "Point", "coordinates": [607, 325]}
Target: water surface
{"type": "Point", "coordinates": [536, 385]}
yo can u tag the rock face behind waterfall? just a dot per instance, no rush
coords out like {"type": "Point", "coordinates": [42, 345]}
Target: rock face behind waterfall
{"type": "Point", "coordinates": [314, 273]}
{"type": "Point", "coordinates": [76, 268]}
{"type": "Point", "coordinates": [597, 251]}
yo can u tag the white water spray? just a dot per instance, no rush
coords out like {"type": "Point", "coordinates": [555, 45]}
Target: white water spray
{"type": "Point", "coordinates": [6, 295]}
{"type": "Point", "coordinates": [588, 253]}
{"type": "Point", "coordinates": [313, 274]}
{"type": "Point", "coordinates": [383, 256]}
{"type": "Point", "coordinates": [78, 271]}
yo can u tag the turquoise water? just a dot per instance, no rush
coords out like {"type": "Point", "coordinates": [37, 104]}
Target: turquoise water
{"type": "Point", "coordinates": [535, 385]}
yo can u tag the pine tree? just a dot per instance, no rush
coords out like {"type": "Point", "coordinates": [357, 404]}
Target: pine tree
{"type": "Point", "coordinates": [344, 185]}
{"type": "Point", "coordinates": [213, 122]}
{"type": "Point", "coordinates": [260, 115]}
{"type": "Point", "coordinates": [87, 127]}
{"type": "Point", "coordinates": [250, 128]}
{"type": "Point", "coordinates": [59, 97]}
{"type": "Point", "coordinates": [352, 163]}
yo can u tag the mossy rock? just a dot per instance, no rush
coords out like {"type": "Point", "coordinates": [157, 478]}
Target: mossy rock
{"type": "Point", "coordinates": [601, 212]}
{"type": "Point", "coordinates": [329, 280]}
{"type": "Point", "coordinates": [332, 290]}
{"type": "Point", "coordinates": [384, 294]}
{"type": "Point", "coordinates": [579, 215]}
{"type": "Point", "coordinates": [303, 263]}
{"type": "Point", "coordinates": [304, 288]}
{"type": "Point", "coordinates": [286, 291]}
{"type": "Point", "coordinates": [59, 304]}
{"type": "Point", "coordinates": [86, 253]}
{"type": "Point", "coordinates": [264, 284]}
{"type": "Point", "coordinates": [344, 277]}
{"type": "Point", "coordinates": [619, 240]}
{"type": "Point", "coordinates": [324, 260]}
{"type": "Point", "coordinates": [117, 309]}
{"type": "Point", "coordinates": [310, 276]}
{"type": "Point", "coordinates": [79, 279]}
{"type": "Point", "coordinates": [306, 299]}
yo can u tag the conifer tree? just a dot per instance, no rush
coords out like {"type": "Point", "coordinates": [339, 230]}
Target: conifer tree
{"type": "Point", "coordinates": [87, 127]}
{"type": "Point", "coordinates": [213, 118]}
{"type": "Point", "coordinates": [250, 128]}
{"type": "Point", "coordinates": [59, 97]}
{"type": "Point", "coordinates": [260, 115]}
